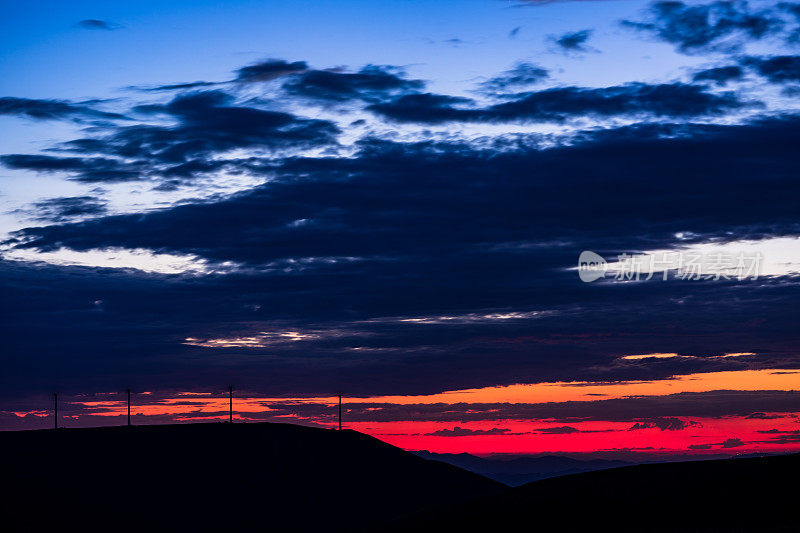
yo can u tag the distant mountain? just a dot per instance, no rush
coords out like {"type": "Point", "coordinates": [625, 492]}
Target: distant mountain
{"type": "Point", "coordinates": [730, 495]}
{"type": "Point", "coordinates": [521, 470]}
{"type": "Point", "coordinates": [265, 477]}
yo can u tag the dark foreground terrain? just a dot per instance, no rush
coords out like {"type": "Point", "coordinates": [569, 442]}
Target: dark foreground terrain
{"type": "Point", "coordinates": [230, 477]}
{"type": "Point", "coordinates": [731, 495]}
{"type": "Point", "coordinates": [520, 470]}
{"type": "Point", "coordinates": [287, 478]}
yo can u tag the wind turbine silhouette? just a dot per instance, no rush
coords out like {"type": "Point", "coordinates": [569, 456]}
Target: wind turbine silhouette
{"type": "Point", "coordinates": [230, 404]}
{"type": "Point", "coordinates": [340, 412]}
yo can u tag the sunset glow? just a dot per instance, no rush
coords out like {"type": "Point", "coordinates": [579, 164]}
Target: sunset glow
{"type": "Point", "coordinates": [467, 420]}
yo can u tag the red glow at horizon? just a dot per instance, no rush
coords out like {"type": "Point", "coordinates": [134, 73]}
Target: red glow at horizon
{"type": "Point", "coordinates": [727, 434]}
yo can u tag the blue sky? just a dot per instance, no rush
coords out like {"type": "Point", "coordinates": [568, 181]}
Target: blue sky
{"type": "Point", "coordinates": [165, 42]}
{"type": "Point", "coordinates": [451, 46]}
{"type": "Point", "coordinates": [205, 40]}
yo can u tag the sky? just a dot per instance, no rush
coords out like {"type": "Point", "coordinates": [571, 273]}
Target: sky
{"type": "Point", "coordinates": [493, 226]}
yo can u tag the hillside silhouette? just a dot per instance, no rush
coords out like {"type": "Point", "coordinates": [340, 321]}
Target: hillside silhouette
{"type": "Point", "coordinates": [730, 495]}
{"type": "Point", "coordinates": [517, 471]}
{"type": "Point", "coordinates": [274, 477]}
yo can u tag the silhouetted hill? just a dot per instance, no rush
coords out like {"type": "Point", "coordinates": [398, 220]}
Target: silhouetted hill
{"type": "Point", "coordinates": [273, 477]}
{"type": "Point", "coordinates": [520, 470]}
{"type": "Point", "coordinates": [731, 495]}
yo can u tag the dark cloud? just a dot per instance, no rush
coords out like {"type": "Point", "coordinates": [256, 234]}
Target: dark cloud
{"type": "Point", "coordinates": [675, 100]}
{"type": "Point", "coordinates": [426, 108]}
{"type": "Point", "coordinates": [783, 69]}
{"type": "Point", "coordinates": [455, 41]}
{"type": "Point", "coordinates": [347, 203]}
{"type": "Point", "coordinates": [522, 75]}
{"type": "Point", "coordinates": [84, 169]}
{"type": "Point", "coordinates": [720, 75]}
{"type": "Point", "coordinates": [47, 163]}
{"type": "Point", "coordinates": [763, 416]}
{"type": "Point", "coordinates": [732, 443]}
{"type": "Point", "coordinates": [182, 86]}
{"type": "Point", "coordinates": [670, 100]}
{"type": "Point", "coordinates": [792, 9]}
{"type": "Point", "coordinates": [561, 430]}
{"type": "Point", "coordinates": [348, 248]}
{"type": "Point", "coordinates": [776, 69]}
{"type": "Point", "coordinates": [784, 439]}
{"type": "Point", "coordinates": [68, 207]}
{"type": "Point", "coordinates": [51, 109]}
{"type": "Point", "coordinates": [263, 71]}
{"type": "Point", "coordinates": [699, 28]}
{"type": "Point", "coordinates": [544, 2]}
{"type": "Point", "coordinates": [464, 432]}
{"type": "Point", "coordinates": [210, 122]}
{"type": "Point", "coordinates": [372, 81]}
{"type": "Point", "coordinates": [573, 41]}
{"type": "Point", "coordinates": [405, 259]}
{"type": "Point", "coordinates": [95, 24]}
{"type": "Point", "coordinates": [269, 70]}
{"type": "Point", "coordinates": [663, 423]}
{"type": "Point", "coordinates": [706, 404]}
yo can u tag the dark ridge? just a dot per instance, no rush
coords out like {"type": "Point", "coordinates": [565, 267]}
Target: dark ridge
{"type": "Point", "coordinates": [520, 470]}
{"type": "Point", "coordinates": [274, 477]}
{"type": "Point", "coordinates": [728, 495]}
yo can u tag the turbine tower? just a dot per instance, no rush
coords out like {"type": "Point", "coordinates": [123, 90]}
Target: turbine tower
{"type": "Point", "coordinates": [230, 404]}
